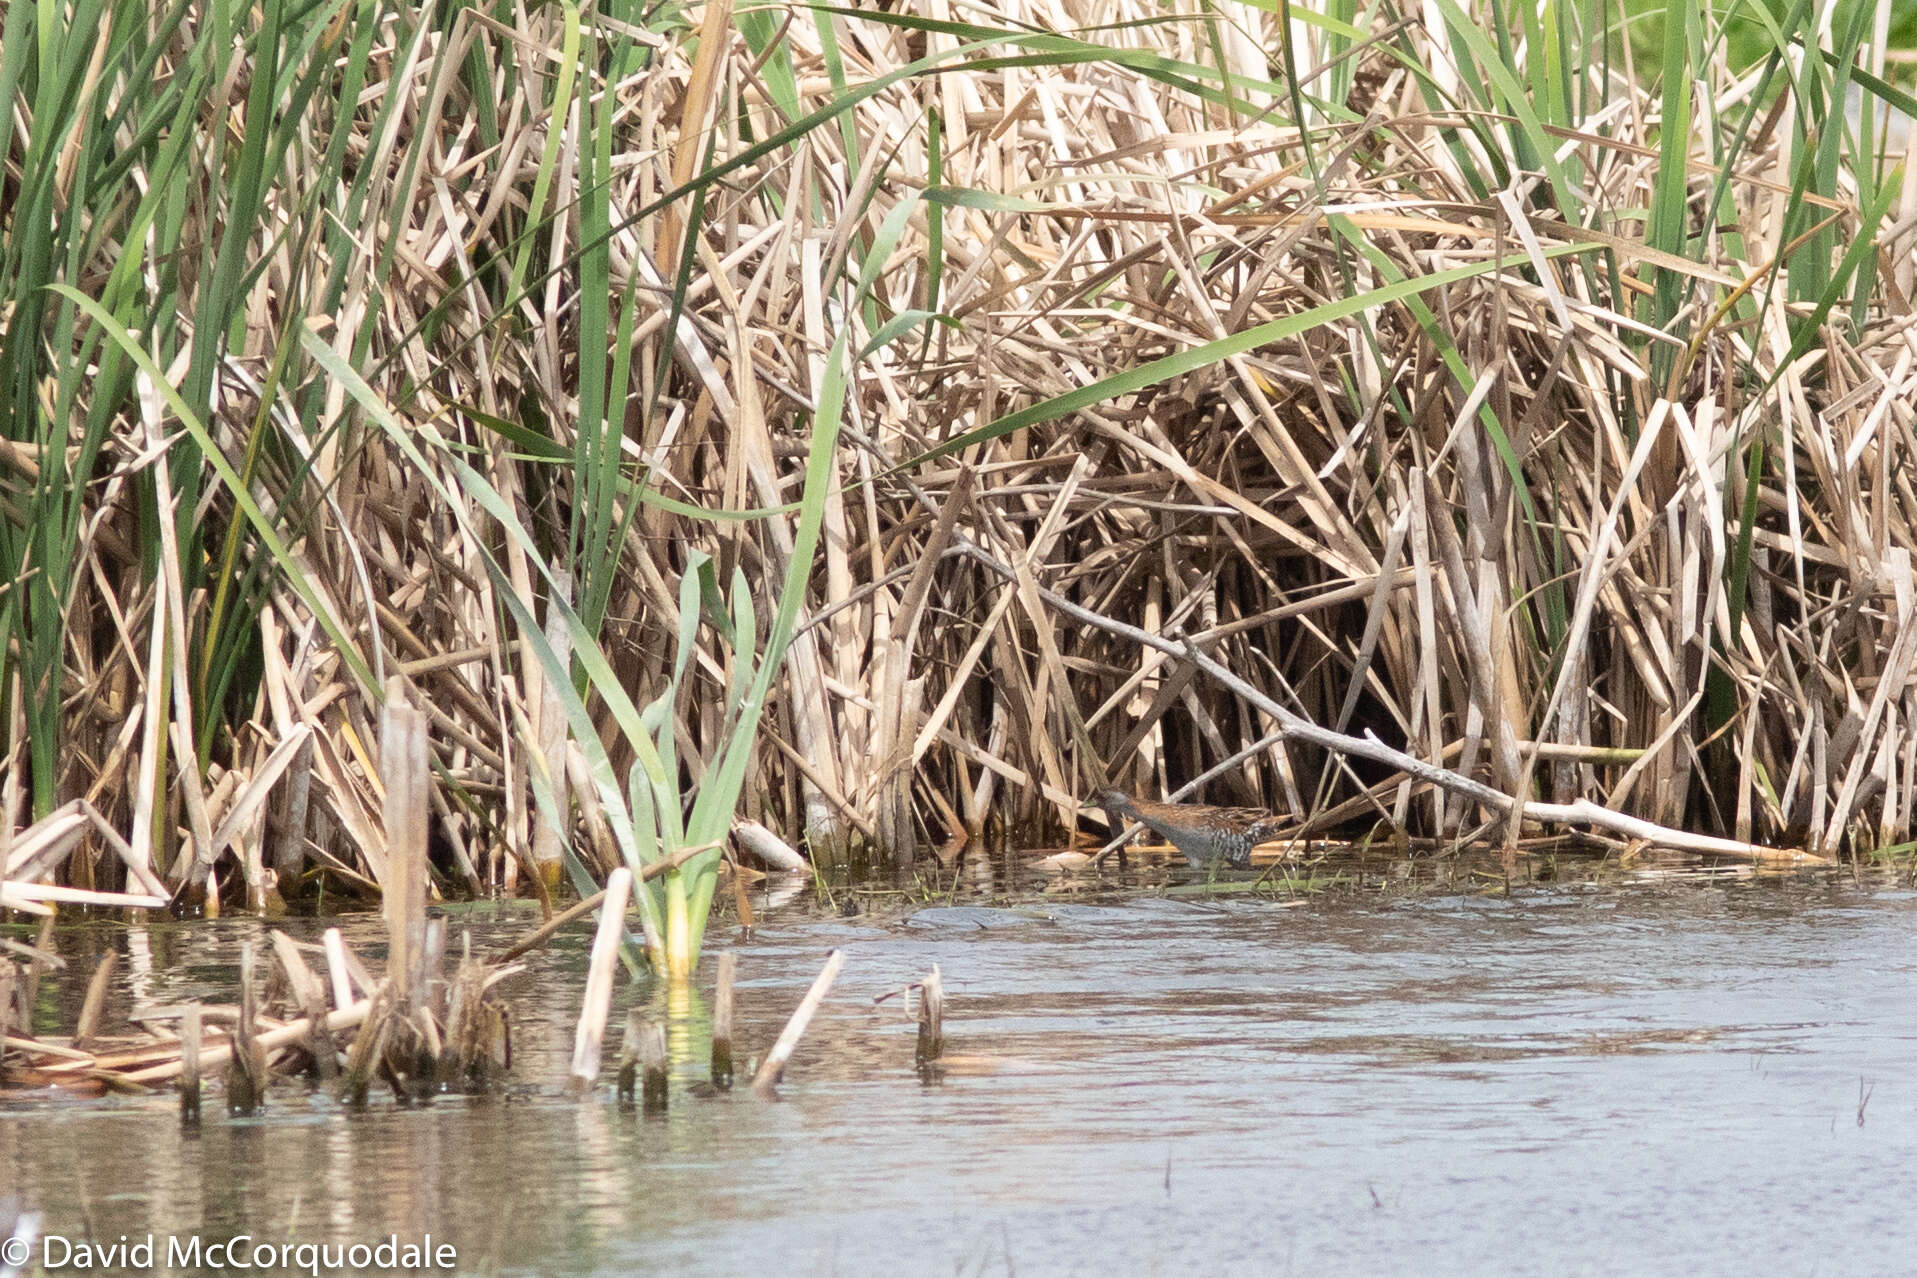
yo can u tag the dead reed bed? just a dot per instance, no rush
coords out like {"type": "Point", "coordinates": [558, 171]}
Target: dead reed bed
{"type": "Point", "coordinates": [809, 409]}
{"type": "Point", "coordinates": [293, 1022]}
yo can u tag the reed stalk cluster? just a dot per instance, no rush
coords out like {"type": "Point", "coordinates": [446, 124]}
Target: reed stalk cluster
{"type": "Point", "coordinates": [705, 409]}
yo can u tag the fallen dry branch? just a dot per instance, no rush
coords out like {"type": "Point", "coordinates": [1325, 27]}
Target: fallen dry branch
{"type": "Point", "coordinates": [1582, 812]}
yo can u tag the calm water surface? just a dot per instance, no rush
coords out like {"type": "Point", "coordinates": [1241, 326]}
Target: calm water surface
{"type": "Point", "coordinates": [1715, 1077]}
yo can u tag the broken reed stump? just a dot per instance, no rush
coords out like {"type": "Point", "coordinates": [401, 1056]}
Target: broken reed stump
{"type": "Point", "coordinates": [190, 1067]}
{"type": "Point", "coordinates": [369, 1045]}
{"type": "Point", "coordinates": [89, 1023]}
{"type": "Point", "coordinates": [598, 999]}
{"type": "Point", "coordinates": [308, 993]}
{"type": "Point", "coordinates": [407, 1046]}
{"type": "Point", "coordinates": [432, 963]}
{"type": "Point", "coordinates": [479, 1042]}
{"type": "Point", "coordinates": [931, 1022]}
{"type": "Point", "coordinates": [400, 1036]}
{"type": "Point", "coordinates": [246, 1067]}
{"type": "Point", "coordinates": [338, 971]}
{"type": "Point", "coordinates": [642, 1064]}
{"type": "Point", "coordinates": [722, 1022]}
{"type": "Point", "coordinates": [289, 832]}
{"type": "Point", "coordinates": [42, 959]}
{"type": "Point", "coordinates": [741, 899]}
{"type": "Point", "coordinates": [629, 1056]}
{"type": "Point", "coordinates": [553, 828]}
{"type": "Point", "coordinates": [773, 1067]}
{"type": "Point", "coordinates": [652, 1068]}
{"type": "Point", "coordinates": [405, 771]}
{"type": "Point", "coordinates": [417, 1059]}
{"type": "Point", "coordinates": [9, 983]}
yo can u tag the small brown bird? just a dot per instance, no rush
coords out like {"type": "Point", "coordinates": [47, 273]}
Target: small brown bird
{"type": "Point", "coordinates": [1199, 830]}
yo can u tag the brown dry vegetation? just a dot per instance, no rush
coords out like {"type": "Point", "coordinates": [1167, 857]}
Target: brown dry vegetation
{"type": "Point", "coordinates": [1627, 481]}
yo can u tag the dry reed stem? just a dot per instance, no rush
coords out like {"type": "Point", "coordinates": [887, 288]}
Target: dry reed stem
{"type": "Point", "coordinates": [772, 1068]}
{"type": "Point", "coordinates": [597, 1000]}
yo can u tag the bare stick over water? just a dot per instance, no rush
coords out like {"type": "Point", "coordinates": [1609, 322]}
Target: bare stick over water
{"type": "Point", "coordinates": [773, 1067]}
{"type": "Point", "coordinates": [598, 1000]}
{"type": "Point", "coordinates": [550, 928]}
